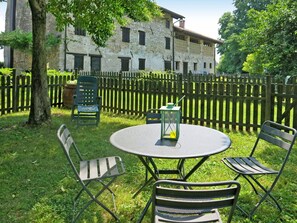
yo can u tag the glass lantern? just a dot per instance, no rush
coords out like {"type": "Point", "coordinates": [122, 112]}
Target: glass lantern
{"type": "Point", "coordinates": [170, 121]}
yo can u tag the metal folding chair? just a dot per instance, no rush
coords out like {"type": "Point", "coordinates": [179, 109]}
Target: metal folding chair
{"type": "Point", "coordinates": [252, 168]}
{"type": "Point", "coordinates": [87, 103]}
{"type": "Point", "coordinates": [153, 116]}
{"type": "Point", "coordinates": [100, 170]}
{"type": "Point", "coordinates": [176, 201]}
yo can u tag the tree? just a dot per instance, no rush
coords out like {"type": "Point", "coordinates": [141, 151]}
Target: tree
{"type": "Point", "coordinates": [98, 18]}
{"type": "Point", "coordinates": [231, 27]}
{"type": "Point", "coordinates": [272, 36]}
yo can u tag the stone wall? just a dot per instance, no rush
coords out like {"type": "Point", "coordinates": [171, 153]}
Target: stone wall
{"type": "Point", "coordinates": [193, 54]}
{"type": "Point", "coordinates": [23, 21]}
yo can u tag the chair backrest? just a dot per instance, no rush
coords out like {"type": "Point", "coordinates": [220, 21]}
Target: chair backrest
{"type": "Point", "coordinates": [86, 91]}
{"type": "Point", "coordinates": [278, 135]}
{"type": "Point", "coordinates": [67, 143]}
{"type": "Point", "coordinates": [153, 116]}
{"type": "Point", "coordinates": [176, 197]}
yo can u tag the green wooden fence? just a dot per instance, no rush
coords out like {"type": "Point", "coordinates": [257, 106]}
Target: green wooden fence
{"type": "Point", "coordinates": [229, 102]}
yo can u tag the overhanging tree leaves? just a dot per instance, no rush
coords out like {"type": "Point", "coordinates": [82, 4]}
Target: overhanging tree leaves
{"type": "Point", "coordinates": [272, 36]}
{"type": "Point", "coordinates": [98, 18]}
{"type": "Point", "coordinates": [231, 26]}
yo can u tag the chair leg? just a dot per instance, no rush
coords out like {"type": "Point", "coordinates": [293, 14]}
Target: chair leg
{"type": "Point", "coordinates": [252, 185]}
{"type": "Point", "coordinates": [145, 210]}
{"type": "Point", "coordinates": [267, 194]}
{"type": "Point", "coordinates": [263, 198]}
{"type": "Point", "coordinates": [146, 172]}
{"type": "Point", "coordinates": [94, 199]}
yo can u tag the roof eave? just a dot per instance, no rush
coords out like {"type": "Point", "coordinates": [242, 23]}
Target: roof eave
{"type": "Point", "coordinates": [173, 14]}
{"type": "Point", "coordinates": [197, 35]}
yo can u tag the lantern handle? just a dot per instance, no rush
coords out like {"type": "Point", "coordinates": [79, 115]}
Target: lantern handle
{"type": "Point", "coordinates": [180, 100]}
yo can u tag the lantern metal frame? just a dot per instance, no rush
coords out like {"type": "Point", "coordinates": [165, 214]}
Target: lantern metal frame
{"type": "Point", "coordinates": [170, 122]}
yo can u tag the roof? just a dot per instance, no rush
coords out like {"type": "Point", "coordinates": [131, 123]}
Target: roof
{"type": "Point", "coordinates": [196, 35]}
{"type": "Point", "coordinates": [173, 14]}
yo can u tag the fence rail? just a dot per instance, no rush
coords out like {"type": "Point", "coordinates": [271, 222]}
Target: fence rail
{"type": "Point", "coordinates": [228, 102]}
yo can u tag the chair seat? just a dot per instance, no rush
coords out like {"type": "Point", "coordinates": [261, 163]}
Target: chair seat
{"type": "Point", "coordinates": [247, 166]}
{"type": "Point", "coordinates": [101, 168]}
{"type": "Point", "coordinates": [88, 108]}
{"type": "Point", "coordinates": [102, 171]}
{"type": "Point", "coordinates": [200, 217]}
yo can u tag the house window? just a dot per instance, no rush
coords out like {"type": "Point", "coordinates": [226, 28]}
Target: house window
{"type": "Point", "coordinates": [195, 66]}
{"type": "Point", "coordinates": [167, 43]}
{"type": "Point", "coordinates": [141, 38]}
{"type": "Point", "coordinates": [141, 64]}
{"type": "Point", "coordinates": [177, 65]}
{"type": "Point", "coordinates": [167, 65]}
{"type": "Point", "coordinates": [180, 36]}
{"type": "Point", "coordinates": [210, 65]}
{"type": "Point", "coordinates": [193, 40]}
{"type": "Point", "coordinates": [204, 65]}
{"type": "Point", "coordinates": [167, 23]}
{"type": "Point", "coordinates": [96, 63]}
{"type": "Point", "coordinates": [126, 34]}
{"type": "Point", "coordinates": [78, 61]}
{"type": "Point", "coordinates": [125, 61]}
{"type": "Point", "coordinates": [79, 31]}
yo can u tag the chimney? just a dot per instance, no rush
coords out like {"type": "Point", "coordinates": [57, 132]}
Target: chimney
{"type": "Point", "coordinates": [182, 23]}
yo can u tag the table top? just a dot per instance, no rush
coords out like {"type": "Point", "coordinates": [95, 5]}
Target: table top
{"type": "Point", "coordinates": [194, 141]}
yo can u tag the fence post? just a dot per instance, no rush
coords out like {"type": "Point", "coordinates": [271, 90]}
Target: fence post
{"type": "Point", "coordinates": [180, 85]}
{"type": "Point", "coordinates": [120, 92]}
{"type": "Point", "coordinates": [75, 73]}
{"type": "Point", "coordinates": [268, 98]}
{"type": "Point", "coordinates": [14, 91]}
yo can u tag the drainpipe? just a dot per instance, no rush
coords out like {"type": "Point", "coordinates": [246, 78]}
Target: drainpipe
{"type": "Point", "coordinates": [65, 47]}
{"type": "Point", "coordinates": [12, 27]}
{"type": "Point", "coordinates": [173, 53]}
{"type": "Point", "coordinates": [214, 58]}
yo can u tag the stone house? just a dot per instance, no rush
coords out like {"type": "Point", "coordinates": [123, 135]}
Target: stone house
{"type": "Point", "coordinates": [146, 46]}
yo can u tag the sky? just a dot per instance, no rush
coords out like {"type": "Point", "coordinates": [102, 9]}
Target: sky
{"type": "Point", "coordinates": [201, 16]}
{"type": "Point", "coordinates": [2, 23]}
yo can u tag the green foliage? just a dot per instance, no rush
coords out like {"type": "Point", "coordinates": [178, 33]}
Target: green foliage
{"type": "Point", "coordinates": [253, 64]}
{"type": "Point", "coordinates": [53, 72]}
{"type": "Point", "coordinates": [16, 39]}
{"type": "Point", "coordinates": [6, 71]}
{"type": "Point", "coordinates": [21, 40]}
{"type": "Point", "coordinates": [272, 35]}
{"type": "Point", "coordinates": [52, 40]}
{"type": "Point", "coordinates": [99, 18]}
{"type": "Point", "coordinates": [39, 186]}
{"type": "Point", "coordinates": [231, 27]}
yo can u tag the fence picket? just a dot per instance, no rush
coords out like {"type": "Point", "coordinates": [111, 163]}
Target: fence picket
{"type": "Point", "coordinates": [235, 102]}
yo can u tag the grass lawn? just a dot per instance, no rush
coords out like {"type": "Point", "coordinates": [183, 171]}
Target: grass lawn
{"type": "Point", "coordinates": [37, 184]}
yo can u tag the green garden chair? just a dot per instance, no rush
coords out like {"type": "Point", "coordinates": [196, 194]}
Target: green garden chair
{"type": "Point", "coordinates": [278, 139]}
{"type": "Point", "coordinates": [87, 103]}
{"type": "Point", "coordinates": [103, 171]}
{"type": "Point", "coordinates": [177, 201]}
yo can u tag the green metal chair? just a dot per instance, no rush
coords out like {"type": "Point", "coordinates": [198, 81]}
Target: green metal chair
{"type": "Point", "coordinates": [102, 170]}
{"type": "Point", "coordinates": [87, 103]}
{"type": "Point", "coordinates": [252, 168]}
{"type": "Point", "coordinates": [177, 201]}
{"type": "Point", "coordinates": [153, 116]}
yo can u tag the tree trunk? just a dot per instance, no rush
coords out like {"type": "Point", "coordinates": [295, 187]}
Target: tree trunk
{"type": "Point", "coordinates": [40, 110]}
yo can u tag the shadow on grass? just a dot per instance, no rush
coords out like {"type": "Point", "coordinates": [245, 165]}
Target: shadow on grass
{"type": "Point", "coordinates": [37, 184]}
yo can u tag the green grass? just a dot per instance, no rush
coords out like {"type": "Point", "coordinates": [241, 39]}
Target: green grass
{"type": "Point", "coordinates": [37, 184]}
